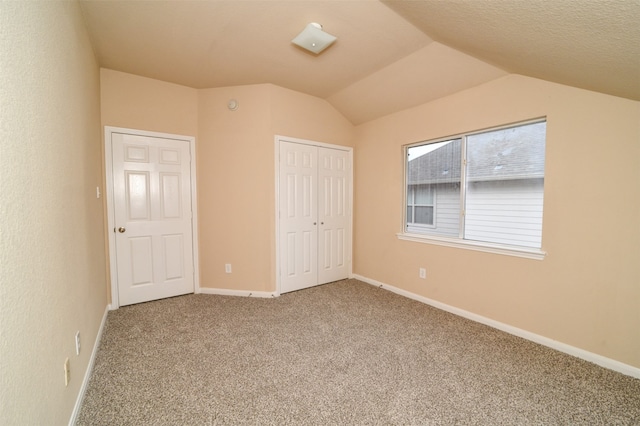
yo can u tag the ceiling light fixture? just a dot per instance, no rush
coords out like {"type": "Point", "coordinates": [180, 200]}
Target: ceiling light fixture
{"type": "Point", "coordinates": [314, 39]}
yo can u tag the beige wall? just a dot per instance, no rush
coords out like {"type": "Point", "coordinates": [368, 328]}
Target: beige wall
{"type": "Point", "coordinates": [141, 103]}
{"type": "Point", "coordinates": [586, 293]}
{"type": "Point", "coordinates": [235, 157]}
{"type": "Point", "coordinates": [236, 176]}
{"type": "Point", "coordinates": [297, 115]}
{"type": "Point", "coordinates": [52, 257]}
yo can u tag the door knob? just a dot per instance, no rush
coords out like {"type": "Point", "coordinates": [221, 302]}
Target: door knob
{"type": "Point", "coordinates": [121, 230]}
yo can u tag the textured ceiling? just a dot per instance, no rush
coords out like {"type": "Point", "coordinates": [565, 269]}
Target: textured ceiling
{"type": "Point", "coordinates": [389, 55]}
{"type": "Point", "coordinates": [592, 44]}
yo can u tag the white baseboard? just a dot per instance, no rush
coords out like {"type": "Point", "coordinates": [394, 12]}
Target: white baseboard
{"type": "Point", "coordinates": [89, 370]}
{"type": "Point", "coordinates": [545, 341]}
{"type": "Point", "coordinates": [240, 293]}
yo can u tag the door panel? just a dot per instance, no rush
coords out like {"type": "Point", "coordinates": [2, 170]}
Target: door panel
{"type": "Point", "coordinates": [174, 266]}
{"type": "Point", "coordinates": [140, 261]}
{"type": "Point", "coordinates": [298, 217]}
{"type": "Point", "coordinates": [137, 196]}
{"type": "Point", "coordinates": [152, 210]}
{"type": "Point", "coordinates": [334, 215]}
{"type": "Point", "coordinates": [170, 202]}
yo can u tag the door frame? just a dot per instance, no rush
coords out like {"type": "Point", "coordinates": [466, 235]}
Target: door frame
{"type": "Point", "coordinates": [278, 139]}
{"type": "Point", "coordinates": [111, 225]}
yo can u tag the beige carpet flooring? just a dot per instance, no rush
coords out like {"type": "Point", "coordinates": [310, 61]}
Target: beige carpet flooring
{"type": "Point", "coordinates": [345, 353]}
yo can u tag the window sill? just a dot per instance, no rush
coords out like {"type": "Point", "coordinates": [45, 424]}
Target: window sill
{"type": "Point", "coordinates": [528, 253]}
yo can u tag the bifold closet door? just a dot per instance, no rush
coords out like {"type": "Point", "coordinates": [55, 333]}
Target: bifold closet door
{"type": "Point", "coordinates": [314, 215]}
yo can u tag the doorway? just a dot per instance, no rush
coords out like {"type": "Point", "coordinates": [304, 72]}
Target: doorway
{"type": "Point", "coordinates": [151, 205]}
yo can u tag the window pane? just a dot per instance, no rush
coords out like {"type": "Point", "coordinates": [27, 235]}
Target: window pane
{"type": "Point", "coordinates": [409, 214]}
{"type": "Point", "coordinates": [505, 185]}
{"type": "Point", "coordinates": [434, 170]}
{"type": "Point", "coordinates": [424, 215]}
{"type": "Point", "coordinates": [424, 195]}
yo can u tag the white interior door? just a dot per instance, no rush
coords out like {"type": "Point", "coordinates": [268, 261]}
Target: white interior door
{"type": "Point", "coordinates": [314, 215]}
{"type": "Point", "coordinates": [152, 217]}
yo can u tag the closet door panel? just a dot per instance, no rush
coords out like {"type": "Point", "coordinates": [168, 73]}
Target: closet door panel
{"type": "Point", "coordinates": [333, 214]}
{"type": "Point", "coordinates": [298, 212]}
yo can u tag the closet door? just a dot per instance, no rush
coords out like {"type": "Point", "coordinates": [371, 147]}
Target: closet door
{"type": "Point", "coordinates": [314, 215]}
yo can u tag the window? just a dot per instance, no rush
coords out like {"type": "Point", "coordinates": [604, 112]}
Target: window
{"type": "Point", "coordinates": [481, 189]}
{"type": "Point", "coordinates": [420, 205]}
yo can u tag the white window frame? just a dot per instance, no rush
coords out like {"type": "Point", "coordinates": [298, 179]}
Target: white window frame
{"type": "Point", "coordinates": [460, 242]}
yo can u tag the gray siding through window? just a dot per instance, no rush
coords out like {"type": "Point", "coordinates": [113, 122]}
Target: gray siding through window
{"type": "Point", "coordinates": [505, 212]}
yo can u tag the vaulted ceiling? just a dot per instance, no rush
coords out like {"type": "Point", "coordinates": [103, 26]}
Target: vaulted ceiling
{"type": "Point", "coordinates": [390, 54]}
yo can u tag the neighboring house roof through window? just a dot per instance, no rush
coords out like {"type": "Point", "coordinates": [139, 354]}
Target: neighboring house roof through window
{"type": "Point", "coordinates": [490, 156]}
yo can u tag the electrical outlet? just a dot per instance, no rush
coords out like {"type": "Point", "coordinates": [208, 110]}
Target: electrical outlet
{"type": "Point", "coordinates": [227, 268]}
{"type": "Point", "coordinates": [77, 343]}
{"type": "Point", "coordinates": [67, 372]}
{"type": "Point", "coordinates": [423, 273]}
